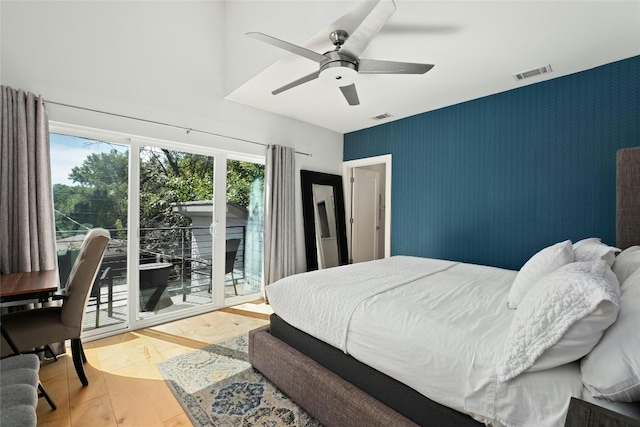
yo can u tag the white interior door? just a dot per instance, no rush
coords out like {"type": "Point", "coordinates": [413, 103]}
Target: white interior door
{"type": "Point", "coordinates": [382, 165]}
{"type": "Point", "coordinates": [364, 214]}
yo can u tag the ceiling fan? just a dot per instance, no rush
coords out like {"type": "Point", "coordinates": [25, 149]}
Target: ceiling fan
{"type": "Point", "coordinates": [340, 66]}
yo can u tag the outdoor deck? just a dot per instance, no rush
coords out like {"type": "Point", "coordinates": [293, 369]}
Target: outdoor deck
{"type": "Point", "coordinates": [198, 294]}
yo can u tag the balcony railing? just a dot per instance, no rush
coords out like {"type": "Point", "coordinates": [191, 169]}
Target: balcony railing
{"type": "Point", "coordinates": [189, 252]}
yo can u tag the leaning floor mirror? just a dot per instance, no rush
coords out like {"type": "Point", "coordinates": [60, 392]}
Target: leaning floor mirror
{"type": "Point", "coordinates": [324, 220]}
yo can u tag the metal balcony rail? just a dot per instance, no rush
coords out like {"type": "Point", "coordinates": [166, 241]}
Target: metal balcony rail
{"type": "Point", "coordinates": [188, 249]}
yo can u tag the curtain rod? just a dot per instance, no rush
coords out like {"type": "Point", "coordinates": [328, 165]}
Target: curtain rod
{"type": "Point", "coordinates": [188, 130]}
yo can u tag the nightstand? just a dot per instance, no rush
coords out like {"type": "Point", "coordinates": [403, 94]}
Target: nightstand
{"type": "Point", "coordinates": [584, 414]}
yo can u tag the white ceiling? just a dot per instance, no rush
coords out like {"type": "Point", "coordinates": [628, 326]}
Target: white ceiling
{"type": "Point", "coordinates": [476, 46]}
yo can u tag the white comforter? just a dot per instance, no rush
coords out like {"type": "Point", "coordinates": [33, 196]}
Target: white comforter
{"type": "Point", "coordinates": [439, 329]}
{"type": "Point", "coordinates": [337, 292]}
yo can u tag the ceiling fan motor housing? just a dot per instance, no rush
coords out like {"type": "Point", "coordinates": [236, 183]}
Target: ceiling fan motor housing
{"type": "Point", "coordinates": [339, 70]}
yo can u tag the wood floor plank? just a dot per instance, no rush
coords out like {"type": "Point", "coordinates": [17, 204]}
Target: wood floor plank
{"type": "Point", "coordinates": [179, 421]}
{"type": "Point", "coordinates": [58, 389]}
{"type": "Point", "coordinates": [135, 407]}
{"type": "Point", "coordinates": [165, 403]}
{"type": "Point", "coordinates": [96, 412]}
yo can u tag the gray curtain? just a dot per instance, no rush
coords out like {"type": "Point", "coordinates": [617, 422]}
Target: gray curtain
{"type": "Point", "coordinates": [27, 240]}
{"type": "Point", "coordinates": [279, 221]}
{"type": "Point", "coordinates": [27, 230]}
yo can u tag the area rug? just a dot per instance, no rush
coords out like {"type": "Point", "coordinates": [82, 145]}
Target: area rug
{"type": "Point", "coordinates": [217, 386]}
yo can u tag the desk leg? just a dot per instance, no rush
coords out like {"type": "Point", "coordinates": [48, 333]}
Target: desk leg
{"type": "Point", "coordinates": [41, 391]}
{"type": "Point", "coordinates": [8, 339]}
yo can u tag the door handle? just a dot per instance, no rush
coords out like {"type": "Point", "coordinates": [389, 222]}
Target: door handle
{"type": "Point", "coordinates": [213, 229]}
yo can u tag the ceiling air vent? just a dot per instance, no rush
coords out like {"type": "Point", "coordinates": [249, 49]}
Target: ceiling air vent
{"type": "Point", "coordinates": [531, 73]}
{"type": "Point", "coordinates": [381, 116]}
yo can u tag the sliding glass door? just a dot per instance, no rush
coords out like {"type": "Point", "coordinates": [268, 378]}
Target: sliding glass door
{"type": "Point", "coordinates": [90, 189]}
{"type": "Point", "coordinates": [176, 245]}
{"type": "Point", "coordinates": [186, 226]}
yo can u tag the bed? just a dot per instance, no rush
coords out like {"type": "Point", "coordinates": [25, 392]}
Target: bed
{"type": "Point", "coordinates": [418, 341]}
{"type": "Point", "coordinates": [426, 338]}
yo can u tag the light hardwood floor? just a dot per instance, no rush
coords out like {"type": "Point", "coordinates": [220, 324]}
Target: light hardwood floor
{"type": "Point", "coordinates": [125, 388]}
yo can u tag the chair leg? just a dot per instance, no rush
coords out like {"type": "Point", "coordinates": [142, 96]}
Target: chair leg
{"type": "Point", "coordinates": [47, 348]}
{"type": "Point", "coordinates": [44, 394]}
{"type": "Point", "coordinates": [110, 299]}
{"type": "Point", "coordinates": [98, 309]}
{"type": "Point", "coordinates": [77, 353]}
{"type": "Point", "coordinates": [233, 280]}
{"type": "Point", "coordinates": [184, 291]}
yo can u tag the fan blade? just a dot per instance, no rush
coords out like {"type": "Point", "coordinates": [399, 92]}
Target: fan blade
{"type": "Point", "coordinates": [350, 94]}
{"type": "Point", "coordinates": [372, 66]}
{"type": "Point", "coordinates": [368, 28]}
{"type": "Point", "coordinates": [298, 82]}
{"type": "Point", "coordinates": [309, 54]}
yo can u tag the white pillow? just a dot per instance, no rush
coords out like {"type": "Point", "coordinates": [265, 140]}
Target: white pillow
{"type": "Point", "coordinates": [626, 263]}
{"type": "Point", "coordinates": [593, 248]}
{"type": "Point", "coordinates": [564, 315]}
{"type": "Point", "coordinates": [544, 262]}
{"type": "Point", "coordinates": [612, 370]}
{"type": "Point", "coordinates": [585, 241]}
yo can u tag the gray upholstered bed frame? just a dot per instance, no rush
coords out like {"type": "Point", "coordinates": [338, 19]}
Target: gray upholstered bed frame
{"type": "Point", "coordinates": [324, 395]}
{"type": "Point", "coordinates": [628, 197]}
{"type": "Point", "coordinates": [338, 390]}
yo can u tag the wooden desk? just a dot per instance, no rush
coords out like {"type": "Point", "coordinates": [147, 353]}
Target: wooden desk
{"type": "Point", "coordinates": [27, 286]}
{"type": "Point", "coordinates": [20, 288]}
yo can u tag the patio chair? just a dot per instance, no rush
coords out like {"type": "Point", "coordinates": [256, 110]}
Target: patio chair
{"type": "Point", "coordinates": [232, 246]}
{"type": "Point", "coordinates": [34, 329]}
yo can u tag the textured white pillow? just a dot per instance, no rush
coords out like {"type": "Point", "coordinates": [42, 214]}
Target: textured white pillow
{"type": "Point", "coordinates": [564, 315]}
{"type": "Point", "coordinates": [612, 370]}
{"type": "Point", "coordinates": [593, 248]}
{"type": "Point", "coordinates": [626, 263]}
{"type": "Point", "coordinates": [585, 241]}
{"type": "Point", "coordinates": [543, 262]}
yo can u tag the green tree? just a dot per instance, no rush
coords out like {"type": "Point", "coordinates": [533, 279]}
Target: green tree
{"type": "Point", "coordinates": [166, 177]}
{"type": "Point", "coordinates": [100, 199]}
{"type": "Point", "coordinates": [240, 176]}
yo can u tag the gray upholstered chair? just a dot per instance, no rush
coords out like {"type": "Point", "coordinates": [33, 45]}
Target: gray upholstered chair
{"type": "Point", "coordinates": [32, 329]}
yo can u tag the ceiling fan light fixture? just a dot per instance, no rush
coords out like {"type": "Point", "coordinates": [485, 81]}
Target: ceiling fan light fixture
{"type": "Point", "coordinates": [338, 74]}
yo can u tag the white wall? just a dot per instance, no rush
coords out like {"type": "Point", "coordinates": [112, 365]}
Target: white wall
{"type": "Point", "coordinates": [160, 61]}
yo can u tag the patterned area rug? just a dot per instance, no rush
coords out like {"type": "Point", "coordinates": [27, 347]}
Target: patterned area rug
{"type": "Point", "coordinates": [217, 386]}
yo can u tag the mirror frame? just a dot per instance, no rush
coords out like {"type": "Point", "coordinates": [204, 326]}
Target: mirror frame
{"type": "Point", "coordinates": [307, 179]}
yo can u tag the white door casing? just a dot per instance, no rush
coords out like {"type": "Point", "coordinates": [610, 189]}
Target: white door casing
{"type": "Point", "coordinates": [382, 164]}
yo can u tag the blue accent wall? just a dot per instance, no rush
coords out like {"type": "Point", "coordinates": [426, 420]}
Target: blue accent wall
{"type": "Point", "coordinates": [493, 180]}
